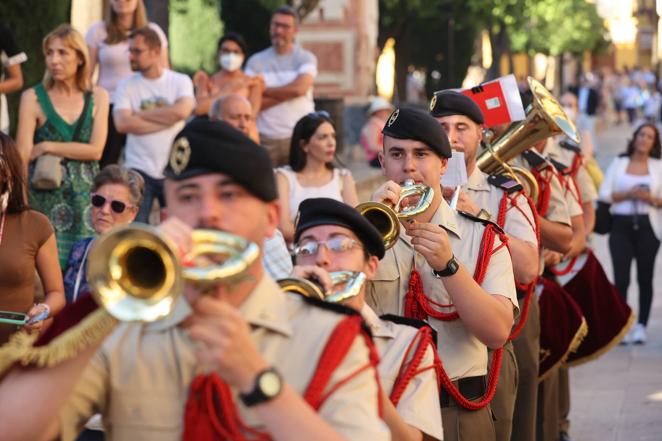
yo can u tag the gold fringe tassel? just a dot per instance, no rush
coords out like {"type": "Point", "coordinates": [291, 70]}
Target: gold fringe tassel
{"type": "Point", "coordinates": [574, 345]}
{"type": "Point", "coordinates": [90, 331]}
{"type": "Point", "coordinates": [614, 341]}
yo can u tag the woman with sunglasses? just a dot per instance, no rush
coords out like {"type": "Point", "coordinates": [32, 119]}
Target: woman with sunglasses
{"type": "Point", "coordinates": [311, 172]}
{"type": "Point", "coordinates": [27, 243]}
{"type": "Point", "coordinates": [115, 198]}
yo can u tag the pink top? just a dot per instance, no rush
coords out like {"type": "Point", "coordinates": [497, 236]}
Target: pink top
{"type": "Point", "coordinates": [114, 59]}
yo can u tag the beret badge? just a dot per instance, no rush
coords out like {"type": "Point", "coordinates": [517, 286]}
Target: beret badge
{"type": "Point", "coordinates": [180, 155]}
{"type": "Point", "coordinates": [393, 117]}
{"type": "Point", "coordinates": [433, 102]}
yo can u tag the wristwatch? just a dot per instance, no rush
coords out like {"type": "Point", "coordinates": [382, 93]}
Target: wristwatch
{"type": "Point", "coordinates": [451, 268]}
{"type": "Point", "coordinates": [268, 384]}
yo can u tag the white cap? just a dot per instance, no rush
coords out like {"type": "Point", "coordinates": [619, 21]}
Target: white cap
{"type": "Point", "coordinates": [379, 103]}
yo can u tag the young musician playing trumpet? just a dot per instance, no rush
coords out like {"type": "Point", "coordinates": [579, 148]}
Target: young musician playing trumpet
{"type": "Point", "coordinates": [332, 236]}
{"type": "Point", "coordinates": [449, 268]}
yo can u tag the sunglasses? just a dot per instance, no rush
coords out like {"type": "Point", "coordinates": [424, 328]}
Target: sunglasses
{"type": "Point", "coordinates": [320, 114]}
{"type": "Point", "coordinates": [99, 201]}
{"type": "Point", "coordinates": [338, 244]}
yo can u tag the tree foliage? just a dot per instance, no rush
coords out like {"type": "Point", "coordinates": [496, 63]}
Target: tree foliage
{"type": "Point", "coordinates": [251, 18]}
{"type": "Point", "coordinates": [31, 20]}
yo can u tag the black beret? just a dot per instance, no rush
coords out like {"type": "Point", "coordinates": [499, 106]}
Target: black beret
{"type": "Point", "coordinates": [450, 102]}
{"type": "Point", "coordinates": [205, 146]}
{"type": "Point", "coordinates": [325, 211]}
{"type": "Point", "coordinates": [412, 123]}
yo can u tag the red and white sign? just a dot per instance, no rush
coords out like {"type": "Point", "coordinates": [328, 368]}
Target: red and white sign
{"type": "Point", "coordinates": [499, 100]}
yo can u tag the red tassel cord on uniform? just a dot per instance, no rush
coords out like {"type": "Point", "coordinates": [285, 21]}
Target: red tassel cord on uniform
{"type": "Point", "coordinates": [410, 369]}
{"type": "Point", "coordinates": [211, 414]}
{"type": "Point", "coordinates": [416, 302]}
{"type": "Point", "coordinates": [544, 180]}
{"type": "Point", "coordinates": [509, 203]}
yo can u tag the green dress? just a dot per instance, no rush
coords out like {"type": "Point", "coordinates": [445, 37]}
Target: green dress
{"type": "Point", "coordinates": [67, 207]}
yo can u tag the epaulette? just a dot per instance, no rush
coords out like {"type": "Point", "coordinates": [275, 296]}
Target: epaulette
{"type": "Point", "coordinates": [505, 183]}
{"type": "Point", "coordinates": [485, 222]}
{"type": "Point", "coordinates": [335, 307]}
{"type": "Point", "coordinates": [559, 166]}
{"type": "Point", "coordinates": [535, 159]}
{"type": "Point", "coordinates": [570, 145]}
{"type": "Point", "coordinates": [418, 324]}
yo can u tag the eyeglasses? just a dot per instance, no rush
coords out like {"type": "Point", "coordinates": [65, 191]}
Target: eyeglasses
{"type": "Point", "coordinates": [319, 114]}
{"type": "Point", "coordinates": [99, 201]}
{"type": "Point", "coordinates": [337, 244]}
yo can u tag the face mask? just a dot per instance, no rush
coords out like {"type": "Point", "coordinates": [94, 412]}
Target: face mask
{"type": "Point", "coordinates": [570, 112]}
{"type": "Point", "coordinates": [4, 201]}
{"type": "Point", "coordinates": [231, 61]}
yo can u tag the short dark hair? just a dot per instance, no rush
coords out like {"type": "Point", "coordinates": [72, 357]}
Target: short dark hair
{"type": "Point", "coordinates": [150, 36]}
{"type": "Point", "coordinates": [115, 174]}
{"type": "Point", "coordinates": [287, 10]}
{"type": "Point", "coordinates": [304, 129]}
{"type": "Point", "coordinates": [237, 38]}
{"type": "Point", "coordinates": [656, 151]}
{"type": "Point", "coordinates": [13, 177]}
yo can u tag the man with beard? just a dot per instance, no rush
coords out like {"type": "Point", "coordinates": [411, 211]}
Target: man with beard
{"type": "Point", "coordinates": [150, 107]}
{"type": "Point", "coordinates": [237, 360]}
{"type": "Point", "coordinates": [288, 71]}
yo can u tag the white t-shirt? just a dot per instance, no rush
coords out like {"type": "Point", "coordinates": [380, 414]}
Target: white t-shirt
{"type": "Point", "coordinates": [278, 121]}
{"type": "Point", "coordinates": [113, 59]}
{"type": "Point", "coordinates": [149, 153]}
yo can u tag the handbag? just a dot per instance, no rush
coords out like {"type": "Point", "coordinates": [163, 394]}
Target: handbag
{"type": "Point", "coordinates": [603, 218]}
{"type": "Point", "coordinates": [47, 173]}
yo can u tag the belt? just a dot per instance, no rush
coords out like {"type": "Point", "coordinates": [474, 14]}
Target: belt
{"type": "Point", "coordinates": [471, 388]}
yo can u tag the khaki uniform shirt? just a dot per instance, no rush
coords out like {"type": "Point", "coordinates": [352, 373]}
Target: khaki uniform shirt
{"type": "Point", "coordinates": [139, 379]}
{"type": "Point", "coordinates": [557, 211]}
{"type": "Point", "coordinates": [519, 223]}
{"type": "Point", "coordinates": [587, 189]}
{"type": "Point", "coordinates": [461, 352]}
{"type": "Point", "coordinates": [419, 404]}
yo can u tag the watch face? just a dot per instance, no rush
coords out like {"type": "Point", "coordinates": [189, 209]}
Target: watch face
{"type": "Point", "coordinates": [270, 384]}
{"type": "Point", "coordinates": [453, 265]}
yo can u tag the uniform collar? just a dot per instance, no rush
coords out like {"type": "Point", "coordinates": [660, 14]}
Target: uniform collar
{"type": "Point", "coordinates": [445, 217]}
{"type": "Point", "coordinates": [266, 307]}
{"type": "Point", "coordinates": [378, 327]}
{"type": "Point", "coordinates": [478, 181]}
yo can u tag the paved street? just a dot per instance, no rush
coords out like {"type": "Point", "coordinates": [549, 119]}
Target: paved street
{"type": "Point", "coordinates": [619, 396]}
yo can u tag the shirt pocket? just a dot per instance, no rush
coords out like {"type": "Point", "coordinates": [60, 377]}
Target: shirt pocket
{"type": "Point", "coordinates": [383, 291]}
{"type": "Point", "coordinates": [146, 411]}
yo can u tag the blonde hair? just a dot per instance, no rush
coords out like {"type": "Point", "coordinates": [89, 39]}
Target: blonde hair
{"type": "Point", "coordinates": [115, 33]}
{"type": "Point", "coordinates": [74, 40]}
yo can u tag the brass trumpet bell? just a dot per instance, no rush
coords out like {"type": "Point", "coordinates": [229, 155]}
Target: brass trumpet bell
{"type": "Point", "coordinates": [137, 275]}
{"type": "Point", "coordinates": [544, 118]}
{"type": "Point", "coordinates": [351, 286]}
{"type": "Point", "coordinates": [387, 219]}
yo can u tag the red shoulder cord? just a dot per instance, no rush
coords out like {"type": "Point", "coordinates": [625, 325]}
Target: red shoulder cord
{"type": "Point", "coordinates": [572, 174]}
{"type": "Point", "coordinates": [419, 306]}
{"type": "Point", "coordinates": [544, 180]}
{"type": "Point", "coordinates": [211, 414]}
{"type": "Point", "coordinates": [408, 370]}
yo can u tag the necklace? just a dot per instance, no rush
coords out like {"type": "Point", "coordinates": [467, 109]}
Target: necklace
{"type": "Point", "coordinates": [2, 226]}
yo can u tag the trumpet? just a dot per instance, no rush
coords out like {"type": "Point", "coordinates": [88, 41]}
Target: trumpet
{"type": "Point", "coordinates": [137, 275]}
{"type": "Point", "coordinates": [349, 281]}
{"type": "Point", "coordinates": [387, 219]}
